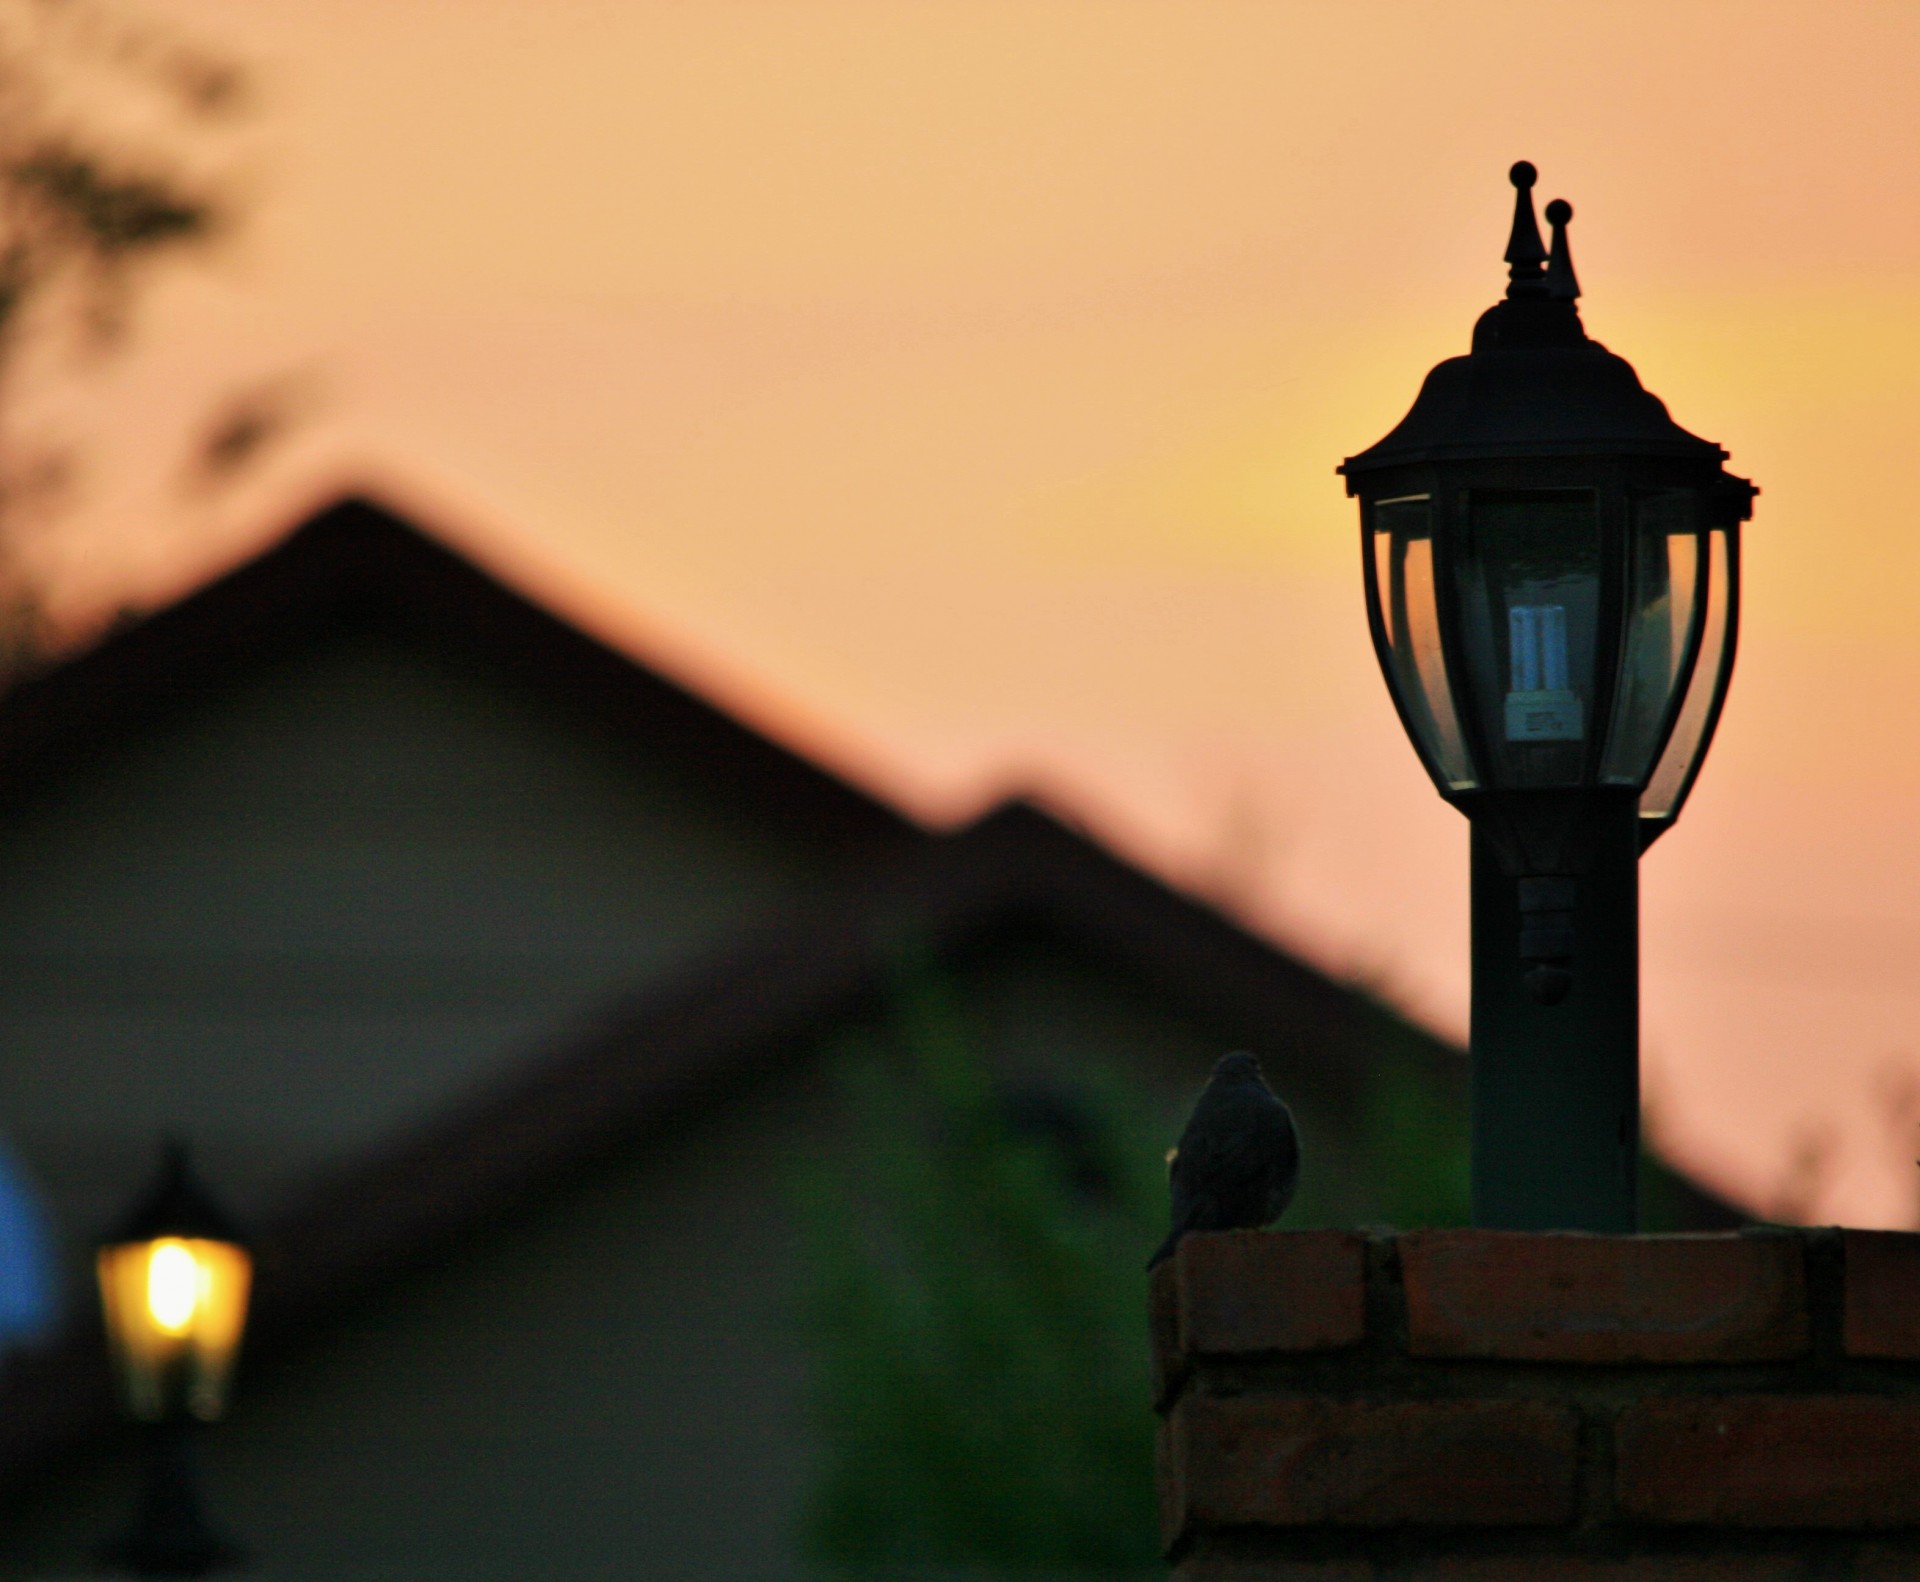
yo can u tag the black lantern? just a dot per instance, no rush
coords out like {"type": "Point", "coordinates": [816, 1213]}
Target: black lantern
{"type": "Point", "coordinates": [174, 1280]}
{"type": "Point", "coordinates": [1552, 576]}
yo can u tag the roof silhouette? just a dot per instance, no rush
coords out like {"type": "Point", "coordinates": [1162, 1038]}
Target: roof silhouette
{"type": "Point", "coordinates": [356, 563]}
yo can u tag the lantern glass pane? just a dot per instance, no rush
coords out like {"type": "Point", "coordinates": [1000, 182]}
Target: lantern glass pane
{"type": "Point", "coordinates": [175, 1308]}
{"type": "Point", "coordinates": [1662, 612]}
{"type": "Point", "coordinates": [1415, 666]}
{"type": "Point", "coordinates": [1674, 774]}
{"type": "Point", "coordinates": [1530, 591]}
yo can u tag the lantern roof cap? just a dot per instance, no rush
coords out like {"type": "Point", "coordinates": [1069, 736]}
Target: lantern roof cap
{"type": "Point", "coordinates": [1535, 383]}
{"type": "Point", "coordinates": [176, 1204]}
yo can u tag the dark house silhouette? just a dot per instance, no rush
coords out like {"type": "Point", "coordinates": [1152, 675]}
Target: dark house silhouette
{"type": "Point", "coordinates": [490, 971]}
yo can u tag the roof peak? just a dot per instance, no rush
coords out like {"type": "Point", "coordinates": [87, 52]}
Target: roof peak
{"type": "Point", "coordinates": [359, 567]}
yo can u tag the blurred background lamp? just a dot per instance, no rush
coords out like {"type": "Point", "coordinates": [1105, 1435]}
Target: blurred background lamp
{"type": "Point", "coordinates": [1552, 582]}
{"type": "Point", "coordinates": [174, 1282]}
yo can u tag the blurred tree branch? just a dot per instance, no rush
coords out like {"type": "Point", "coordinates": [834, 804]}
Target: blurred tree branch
{"type": "Point", "coordinates": [101, 117]}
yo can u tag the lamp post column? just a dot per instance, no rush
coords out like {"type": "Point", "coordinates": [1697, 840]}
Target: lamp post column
{"type": "Point", "coordinates": [170, 1535]}
{"type": "Point", "coordinates": [1556, 1087]}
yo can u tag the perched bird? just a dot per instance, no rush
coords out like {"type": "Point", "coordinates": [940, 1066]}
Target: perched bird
{"type": "Point", "coordinates": [1238, 1160]}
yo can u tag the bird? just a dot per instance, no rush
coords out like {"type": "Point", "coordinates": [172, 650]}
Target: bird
{"type": "Point", "coordinates": [1238, 1160]}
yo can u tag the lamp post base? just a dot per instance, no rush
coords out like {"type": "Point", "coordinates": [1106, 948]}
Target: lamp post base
{"type": "Point", "coordinates": [169, 1535]}
{"type": "Point", "coordinates": [1556, 1077]}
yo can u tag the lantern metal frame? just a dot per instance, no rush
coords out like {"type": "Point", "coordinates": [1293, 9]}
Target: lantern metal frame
{"type": "Point", "coordinates": [1533, 823]}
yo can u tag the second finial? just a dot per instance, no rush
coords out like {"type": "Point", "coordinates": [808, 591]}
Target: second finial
{"type": "Point", "coordinates": [1562, 284]}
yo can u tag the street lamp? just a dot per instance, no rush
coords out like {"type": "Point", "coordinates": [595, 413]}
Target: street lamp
{"type": "Point", "coordinates": [1552, 570]}
{"type": "Point", "coordinates": [173, 1285]}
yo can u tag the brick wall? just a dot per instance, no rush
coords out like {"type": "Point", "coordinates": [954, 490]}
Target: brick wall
{"type": "Point", "coordinates": [1501, 1406]}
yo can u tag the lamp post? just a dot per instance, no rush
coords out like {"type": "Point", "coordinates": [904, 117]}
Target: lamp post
{"type": "Point", "coordinates": [1552, 571]}
{"type": "Point", "coordinates": [173, 1285]}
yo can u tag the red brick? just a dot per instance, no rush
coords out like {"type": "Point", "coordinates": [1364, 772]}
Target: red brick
{"type": "Point", "coordinates": [1305, 1461]}
{"type": "Point", "coordinates": [1169, 1480]}
{"type": "Point", "coordinates": [1569, 1297]}
{"type": "Point", "coordinates": [1546, 1567]}
{"type": "Point", "coordinates": [1168, 1365]}
{"type": "Point", "coordinates": [1293, 1290]}
{"type": "Point", "coordinates": [1814, 1461]}
{"type": "Point", "coordinates": [1632, 1568]}
{"type": "Point", "coordinates": [1212, 1568]}
{"type": "Point", "coordinates": [1887, 1562]}
{"type": "Point", "coordinates": [1882, 1309]}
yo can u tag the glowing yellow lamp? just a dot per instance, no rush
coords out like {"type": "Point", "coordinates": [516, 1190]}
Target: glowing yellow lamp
{"type": "Point", "coordinates": [174, 1283]}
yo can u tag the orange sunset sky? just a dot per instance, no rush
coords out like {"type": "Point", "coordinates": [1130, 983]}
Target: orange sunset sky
{"type": "Point", "coordinates": [955, 391]}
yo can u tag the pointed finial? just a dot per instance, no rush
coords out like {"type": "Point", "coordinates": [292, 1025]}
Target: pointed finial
{"type": "Point", "coordinates": [1526, 256]}
{"type": "Point", "coordinates": [1562, 284]}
